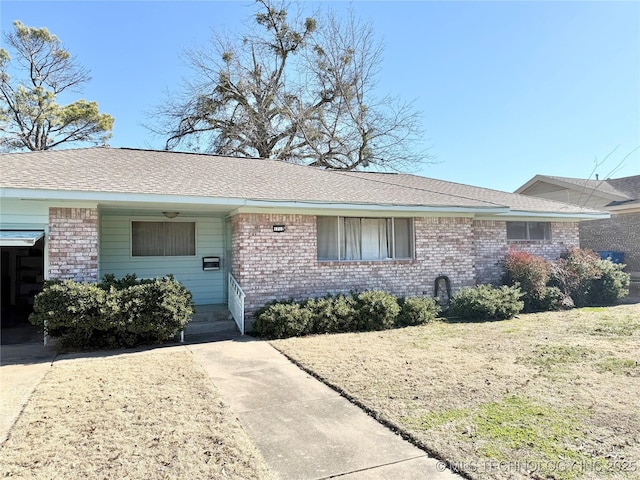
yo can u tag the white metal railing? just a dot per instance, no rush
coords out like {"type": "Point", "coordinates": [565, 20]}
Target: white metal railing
{"type": "Point", "coordinates": [236, 302]}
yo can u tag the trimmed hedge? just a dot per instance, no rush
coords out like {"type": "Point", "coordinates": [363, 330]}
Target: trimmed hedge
{"type": "Point", "coordinates": [417, 311]}
{"type": "Point", "coordinates": [283, 320]}
{"type": "Point", "coordinates": [332, 314]}
{"type": "Point", "coordinates": [114, 313]}
{"type": "Point", "coordinates": [366, 311]}
{"type": "Point", "coordinates": [376, 310]}
{"type": "Point", "coordinates": [486, 302]}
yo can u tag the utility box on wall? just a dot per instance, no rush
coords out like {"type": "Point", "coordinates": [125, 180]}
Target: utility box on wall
{"type": "Point", "coordinates": [210, 263]}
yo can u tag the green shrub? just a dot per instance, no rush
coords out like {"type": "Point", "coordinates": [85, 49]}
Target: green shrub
{"type": "Point", "coordinates": [114, 313]}
{"type": "Point", "coordinates": [156, 309]}
{"type": "Point", "coordinates": [552, 298]}
{"type": "Point", "coordinates": [332, 314]}
{"type": "Point", "coordinates": [588, 280]}
{"type": "Point", "coordinates": [109, 280]}
{"type": "Point", "coordinates": [612, 285]}
{"type": "Point", "coordinates": [370, 310]}
{"type": "Point", "coordinates": [282, 320]}
{"type": "Point", "coordinates": [531, 273]}
{"type": "Point", "coordinates": [485, 302]}
{"type": "Point", "coordinates": [417, 311]}
{"type": "Point", "coordinates": [377, 310]}
{"type": "Point", "coordinates": [574, 272]}
{"type": "Point", "coordinates": [80, 312]}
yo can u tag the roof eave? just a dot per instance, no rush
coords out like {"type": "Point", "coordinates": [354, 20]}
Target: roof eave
{"type": "Point", "coordinates": [237, 204]}
{"type": "Point", "coordinates": [593, 215]}
{"type": "Point", "coordinates": [241, 205]}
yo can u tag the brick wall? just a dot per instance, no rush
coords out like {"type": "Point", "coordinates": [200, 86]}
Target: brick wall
{"type": "Point", "coordinates": [619, 233]}
{"type": "Point", "coordinates": [491, 245]}
{"type": "Point", "coordinates": [272, 266]}
{"type": "Point", "coordinates": [490, 240]}
{"type": "Point", "coordinates": [73, 244]}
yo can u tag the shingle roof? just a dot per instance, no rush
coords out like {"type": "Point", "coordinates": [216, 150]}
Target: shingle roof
{"type": "Point", "coordinates": [628, 188]}
{"type": "Point", "coordinates": [514, 201]}
{"type": "Point", "coordinates": [121, 170]}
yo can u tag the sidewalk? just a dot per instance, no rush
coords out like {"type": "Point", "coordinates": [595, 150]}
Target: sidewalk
{"type": "Point", "coordinates": [304, 429]}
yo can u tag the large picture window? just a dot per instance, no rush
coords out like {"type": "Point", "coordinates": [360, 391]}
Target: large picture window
{"type": "Point", "coordinates": [528, 231]}
{"type": "Point", "coordinates": [163, 239]}
{"type": "Point", "coordinates": [356, 238]}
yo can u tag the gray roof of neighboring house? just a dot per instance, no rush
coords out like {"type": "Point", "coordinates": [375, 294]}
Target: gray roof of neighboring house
{"type": "Point", "coordinates": [628, 187]}
{"type": "Point", "coordinates": [619, 190]}
{"type": "Point", "coordinates": [121, 170]}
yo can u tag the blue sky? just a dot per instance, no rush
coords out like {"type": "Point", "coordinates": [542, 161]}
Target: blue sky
{"type": "Point", "coordinates": [507, 89]}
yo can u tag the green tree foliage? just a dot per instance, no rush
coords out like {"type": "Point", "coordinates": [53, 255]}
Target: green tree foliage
{"type": "Point", "coordinates": [30, 117]}
{"type": "Point", "coordinates": [294, 89]}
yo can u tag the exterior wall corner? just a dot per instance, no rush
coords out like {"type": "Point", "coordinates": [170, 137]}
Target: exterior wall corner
{"type": "Point", "coordinates": [73, 244]}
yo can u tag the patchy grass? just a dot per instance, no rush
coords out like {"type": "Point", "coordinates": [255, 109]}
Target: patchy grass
{"type": "Point", "coordinates": [618, 366]}
{"type": "Point", "coordinates": [548, 395]}
{"type": "Point", "coordinates": [147, 415]}
{"type": "Point", "coordinates": [557, 356]}
{"type": "Point", "coordinates": [610, 326]}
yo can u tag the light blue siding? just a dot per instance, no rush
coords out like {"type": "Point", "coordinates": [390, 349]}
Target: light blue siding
{"type": "Point", "coordinates": [23, 214]}
{"type": "Point", "coordinates": [207, 287]}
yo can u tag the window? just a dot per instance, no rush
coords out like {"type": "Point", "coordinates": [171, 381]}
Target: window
{"type": "Point", "coordinates": [355, 238]}
{"type": "Point", "coordinates": [528, 231]}
{"type": "Point", "coordinates": [163, 239]}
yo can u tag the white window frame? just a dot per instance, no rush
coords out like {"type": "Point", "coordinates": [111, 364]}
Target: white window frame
{"type": "Point", "coordinates": [195, 239]}
{"type": "Point", "coordinates": [339, 240]}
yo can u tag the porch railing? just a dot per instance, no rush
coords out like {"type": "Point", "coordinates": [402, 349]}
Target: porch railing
{"type": "Point", "coordinates": [236, 303]}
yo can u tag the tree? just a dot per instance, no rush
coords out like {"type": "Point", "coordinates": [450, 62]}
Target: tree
{"type": "Point", "coordinates": [30, 117]}
{"type": "Point", "coordinates": [299, 90]}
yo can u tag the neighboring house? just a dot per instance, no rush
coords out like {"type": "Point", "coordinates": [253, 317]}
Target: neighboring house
{"type": "Point", "coordinates": [271, 229]}
{"type": "Point", "coordinates": [620, 197]}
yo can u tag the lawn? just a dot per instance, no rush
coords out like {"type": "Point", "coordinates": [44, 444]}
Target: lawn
{"type": "Point", "coordinates": [549, 395]}
{"type": "Point", "coordinates": [145, 415]}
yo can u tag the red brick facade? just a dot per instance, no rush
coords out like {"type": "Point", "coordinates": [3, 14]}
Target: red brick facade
{"type": "Point", "coordinates": [73, 244]}
{"type": "Point", "coordinates": [270, 265]}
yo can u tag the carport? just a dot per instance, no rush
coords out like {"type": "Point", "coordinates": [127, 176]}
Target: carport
{"type": "Point", "coordinates": [22, 255]}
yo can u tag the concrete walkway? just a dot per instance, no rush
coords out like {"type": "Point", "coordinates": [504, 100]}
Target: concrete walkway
{"type": "Point", "coordinates": [304, 429]}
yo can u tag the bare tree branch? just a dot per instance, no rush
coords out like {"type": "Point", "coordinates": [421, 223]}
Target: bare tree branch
{"type": "Point", "coordinates": [296, 89]}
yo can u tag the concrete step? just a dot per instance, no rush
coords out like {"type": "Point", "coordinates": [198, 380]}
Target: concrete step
{"type": "Point", "coordinates": [196, 328]}
{"type": "Point", "coordinates": [211, 313]}
{"type": "Point", "coordinates": [209, 319]}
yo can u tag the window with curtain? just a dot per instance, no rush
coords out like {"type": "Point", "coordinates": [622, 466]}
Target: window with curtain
{"type": "Point", "coordinates": [357, 238]}
{"type": "Point", "coordinates": [163, 239]}
{"type": "Point", "coordinates": [528, 231]}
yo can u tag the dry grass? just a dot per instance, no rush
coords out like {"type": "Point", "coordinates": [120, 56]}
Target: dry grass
{"type": "Point", "coordinates": [551, 395]}
{"type": "Point", "coordinates": [146, 415]}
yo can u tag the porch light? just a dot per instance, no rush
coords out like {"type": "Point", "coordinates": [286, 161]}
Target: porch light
{"type": "Point", "coordinates": [171, 214]}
